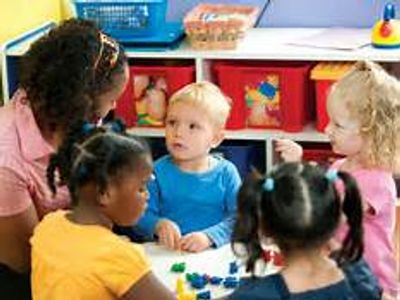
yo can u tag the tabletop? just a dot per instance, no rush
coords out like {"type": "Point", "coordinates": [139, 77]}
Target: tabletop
{"type": "Point", "coordinates": [213, 262]}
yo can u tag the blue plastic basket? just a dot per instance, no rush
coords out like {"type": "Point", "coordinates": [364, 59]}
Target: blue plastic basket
{"type": "Point", "coordinates": [124, 19]}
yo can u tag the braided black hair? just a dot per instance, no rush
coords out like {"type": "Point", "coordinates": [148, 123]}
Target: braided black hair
{"type": "Point", "coordinates": [94, 154]}
{"type": "Point", "coordinates": [301, 210]}
{"type": "Point", "coordinates": [59, 75]}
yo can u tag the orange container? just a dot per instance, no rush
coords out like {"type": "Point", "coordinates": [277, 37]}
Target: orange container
{"type": "Point", "coordinates": [325, 74]}
{"type": "Point", "coordinates": [218, 26]}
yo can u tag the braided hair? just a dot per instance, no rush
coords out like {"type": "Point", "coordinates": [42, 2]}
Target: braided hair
{"type": "Point", "coordinates": [94, 154]}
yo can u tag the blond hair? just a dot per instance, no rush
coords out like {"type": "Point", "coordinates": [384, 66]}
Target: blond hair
{"type": "Point", "coordinates": [207, 96]}
{"type": "Point", "coordinates": [373, 99]}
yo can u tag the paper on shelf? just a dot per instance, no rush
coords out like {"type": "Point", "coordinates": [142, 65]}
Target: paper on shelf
{"type": "Point", "coordinates": [336, 38]}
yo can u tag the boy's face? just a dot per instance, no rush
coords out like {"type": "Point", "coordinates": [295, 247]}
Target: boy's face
{"type": "Point", "coordinates": [190, 132]}
{"type": "Point", "coordinates": [343, 130]}
{"type": "Point", "coordinates": [126, 198]}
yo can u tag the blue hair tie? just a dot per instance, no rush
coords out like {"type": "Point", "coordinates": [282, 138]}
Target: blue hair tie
{"type": "Point", "coordinates": [331, 175]}
{"type": "Point", "coordinates": [269, 184]}
{"type": "Point", "coordinates": [82, 170]}
{"type": "Point", "coordinates": [88, 128]}
{"type": "Point", "coordinates": [116, 127]}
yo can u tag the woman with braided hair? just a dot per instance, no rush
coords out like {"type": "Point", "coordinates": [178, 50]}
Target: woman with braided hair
{"type": "Point", "coordinates": [72, 74]}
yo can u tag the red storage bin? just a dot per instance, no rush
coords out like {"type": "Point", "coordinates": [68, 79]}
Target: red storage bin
{"type": "Point", "coordinates": [320, 153]}
{"type": "Point", "coordinates": [325, 74]}
{"type": "Point", "coordinates": [125, 108]}
{"type": "Point", "coordinates": [267, 94]}
{"type": "Point", "coordinates": [150, 88]}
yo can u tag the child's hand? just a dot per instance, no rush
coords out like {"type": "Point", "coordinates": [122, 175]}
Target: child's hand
{"type": "Point", "coordinates": [195, 242]}
{"type": "Point", "coordinates": [168, 233]}
{"type": "Point", "coordinates": [289, 150]}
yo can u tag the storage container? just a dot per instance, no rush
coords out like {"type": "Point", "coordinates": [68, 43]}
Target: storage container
{"type": "Point", "coordinates": [152, 87]}
{"type": "Point", "coordinates": [125, 108]}
{"type": "Point", "coordinates": [124, 19]}
{"type": "Point", "coordinates": [218, 26]}
{"type": "Point", "coordinates": [325, 74]}
{"type": "Point", "coordinates": [267, 94]}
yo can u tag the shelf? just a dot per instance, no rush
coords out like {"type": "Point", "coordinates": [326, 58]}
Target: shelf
{"type": "Point", "coordinates": [273, 44]}
{"type": "Point", "coordinates": [307, 135]}
{"type": "Point", "coordinates": [260, 43]}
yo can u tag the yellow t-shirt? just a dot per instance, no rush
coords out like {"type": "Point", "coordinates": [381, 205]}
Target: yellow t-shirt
{"type": "Point", "coordinates": [71, 261]}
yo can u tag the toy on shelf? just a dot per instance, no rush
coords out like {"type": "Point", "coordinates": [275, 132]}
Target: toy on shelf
{"type": "Point", "coordinates": [218, 26]}
{"type": "Point", "coordinates": [386, 32]}
{"type": "Point", "coordinates": [145, 104]}
{"type": "Point", "coordinates": [151, 99]}
{"type": "Point", "coordinates": [263, 103]}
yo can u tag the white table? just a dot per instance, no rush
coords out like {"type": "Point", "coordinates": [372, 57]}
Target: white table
{"type": "Point", "coordinates": [214, 262]}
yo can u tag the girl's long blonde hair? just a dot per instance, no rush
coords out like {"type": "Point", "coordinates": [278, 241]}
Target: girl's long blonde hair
{"type": "Point", "coordinates": [373, 98]}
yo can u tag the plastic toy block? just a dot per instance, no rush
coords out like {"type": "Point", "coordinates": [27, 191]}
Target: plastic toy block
{"type": "Point", "coordinates": [187, 296]}
{"type": "Point", "coordinates": [230, 282]}
{"type": "Point", "coordinates": [180, 286]}
{"type": "Point", "coordinates": [273, 256]}
{"type": "Point", "coordinates": [189, 277]}
{"type": "Point", "coordinates": [206, 295]}
{"type": "Point", "coordinates": [233, 267]}
{"type": "Point", "coordinates": [215, 280]}
{"type": "Point", "coordinates": [206, 277]}
{"type": "Point", "coordinates": [198, 283]}
{"type": "Point", "coordinates": [178, 267]}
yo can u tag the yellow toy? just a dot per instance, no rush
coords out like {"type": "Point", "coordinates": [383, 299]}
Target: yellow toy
{"type": "Point", "coordinates": [386, 32]}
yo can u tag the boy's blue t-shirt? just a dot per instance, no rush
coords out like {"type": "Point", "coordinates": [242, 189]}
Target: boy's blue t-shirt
{"type": "Point", "coordinates": [194, 201]}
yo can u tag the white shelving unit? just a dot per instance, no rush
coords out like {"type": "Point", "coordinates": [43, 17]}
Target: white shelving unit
{"type": "Point", "coordinates": [259, 44]}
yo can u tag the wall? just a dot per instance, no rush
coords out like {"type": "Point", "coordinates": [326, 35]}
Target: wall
{"type": "Point", "coordinates": [303, 13]}
{"type": "Point", "coordinates": [18, 16]}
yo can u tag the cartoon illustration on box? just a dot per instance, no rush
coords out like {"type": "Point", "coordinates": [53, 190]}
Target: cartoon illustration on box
{"type": "Point", "coordinates": [263, 103]}
{"type": "Point", "coordinates": [150, 95]}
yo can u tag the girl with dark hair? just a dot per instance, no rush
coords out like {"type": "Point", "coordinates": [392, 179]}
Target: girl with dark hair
{"type": "Point", "coordinates": [106, 174]}
{"type": "Point", "coordinates": [72, 74]}
{"type": "Point", "coordinates": [297, 205]}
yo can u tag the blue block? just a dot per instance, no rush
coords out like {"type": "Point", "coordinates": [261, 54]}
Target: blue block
{"type": "Point", "coordinates": [230, 282]}
{"type": "Point", "coordinates": [206, 295]}
{"type": "Point", "coordinates": [233, 268]}
{"type": "Point", "coordinates": [215, 280]}
{"type": "Point", "coordinates": [198, 283]}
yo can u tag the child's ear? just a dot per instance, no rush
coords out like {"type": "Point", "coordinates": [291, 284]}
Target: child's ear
{"type": "Point", "coordinates": [104, 198]}
{"type": "Point", "coordinates": [219, 136]}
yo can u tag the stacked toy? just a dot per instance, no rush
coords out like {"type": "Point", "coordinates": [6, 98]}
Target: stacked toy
{"type": "Point", "coordinates": [386, 32]}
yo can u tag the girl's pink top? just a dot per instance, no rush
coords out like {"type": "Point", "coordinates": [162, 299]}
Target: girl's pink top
{"type": "Point", "coordinates": [378, 192]}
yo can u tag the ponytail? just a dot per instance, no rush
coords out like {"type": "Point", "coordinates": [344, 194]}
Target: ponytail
{"type": "Point", "coordinates": [246, 228]}
{"type": "Point", "coordinates": [353, 246]}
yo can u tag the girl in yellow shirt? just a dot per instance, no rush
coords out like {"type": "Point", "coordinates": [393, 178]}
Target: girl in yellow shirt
{"type": "Point", "coordinates": [75, 255]}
